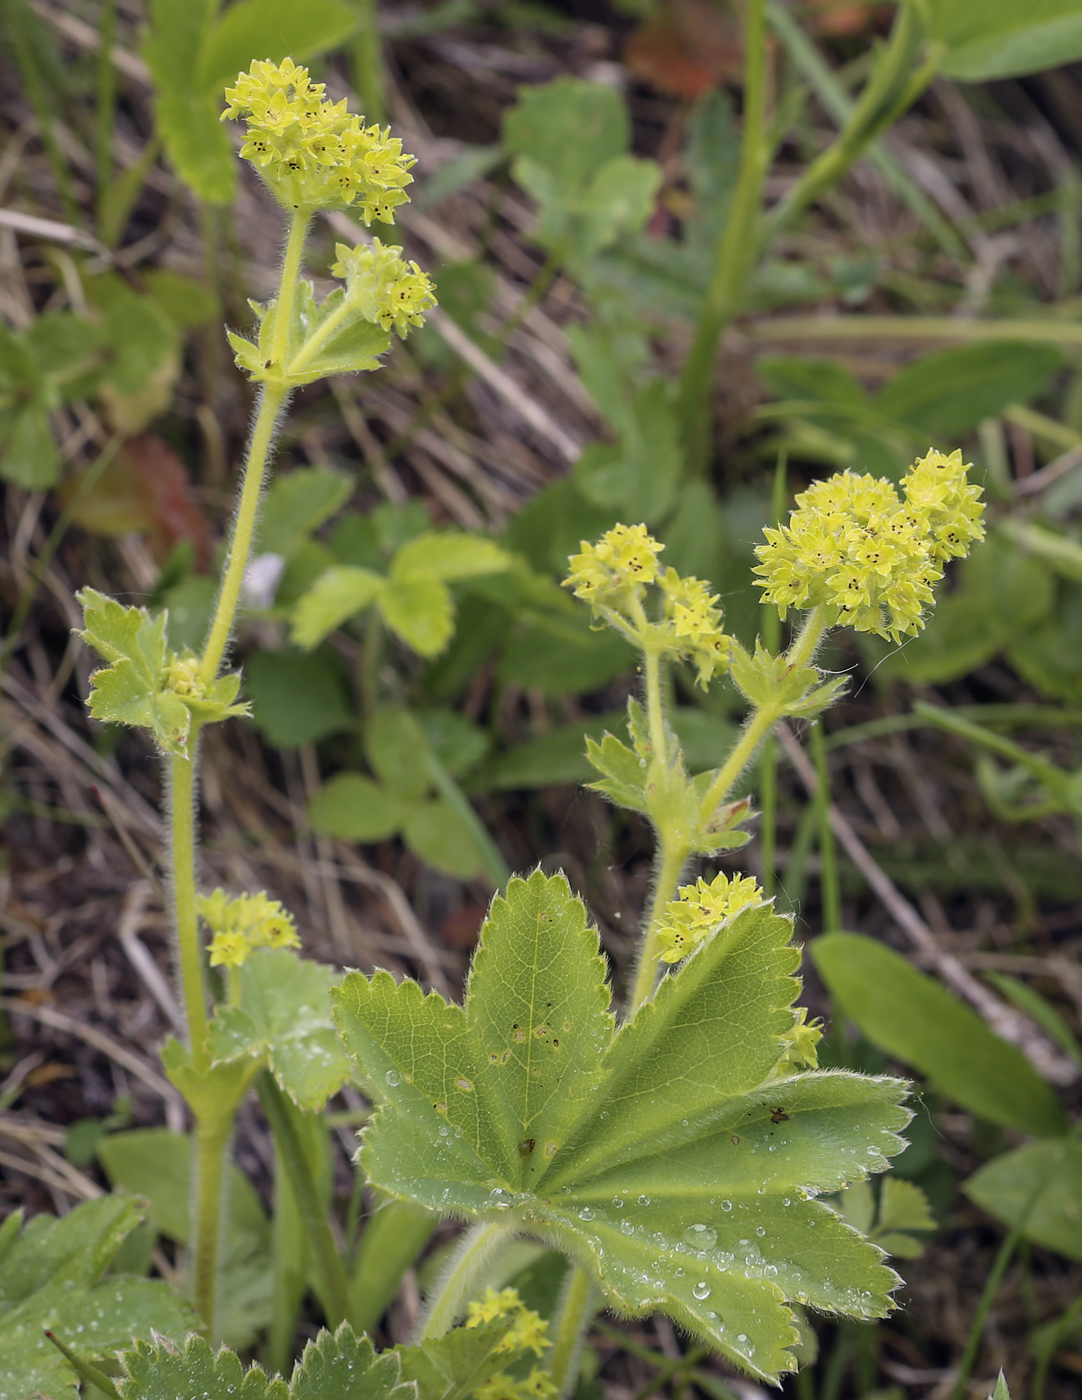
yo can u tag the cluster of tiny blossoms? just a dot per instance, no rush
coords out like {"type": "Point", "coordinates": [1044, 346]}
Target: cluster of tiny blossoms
{"type": "Point", "coordinates": [867, 556]}
{"type": "Point", "coordinates": [700, 909]}
{"type": "Point", "coordinates": [311, 152]}
{"type": "Point", "coordinates": [614, 575]}
{"type": "Point", "coordinates": [382, 287]}
{"type": "Point", "coordinates": [241, 923]}
{"type": "Point", "coordinates": [527, 1333]}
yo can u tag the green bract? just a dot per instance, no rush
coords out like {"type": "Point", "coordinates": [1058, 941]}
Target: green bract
{"type": "Point", "coordinates": [665, 1156]}
{"type": "Point", "coordinates": [146, 683]}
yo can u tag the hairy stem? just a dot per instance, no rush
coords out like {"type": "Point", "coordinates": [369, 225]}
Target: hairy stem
{"type": "Point", "coordinates": [576, 1309]}
{"type": "Point", "coordinates": [181, 788]}
{"type": "Point", "coordinates": [270, 403]}
{"type": "Point", "coordinates": [671, 859]}
{"type": "Point", "coordinates": [211, 1144]}
{"type": "Point", "coordinates": [457, 1285]}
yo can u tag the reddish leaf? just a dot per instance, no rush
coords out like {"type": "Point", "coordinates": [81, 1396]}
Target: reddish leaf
{"type": "Point", "coordinates": [686, 47]}
{"type": "Point", "coordinates": [841, 18]}
{"type": "Point", "coordinates": [146, 490]}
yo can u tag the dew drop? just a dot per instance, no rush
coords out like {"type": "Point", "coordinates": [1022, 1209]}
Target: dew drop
{"type": "Point", "coordinates": [644, 1200]}
{"type": "Point", "coordinates": [618, 1202]}
{"type": "Point", "coordinates": [760, 1230]}
{"type": "Point", "coordinates": [726, 1205]}
{"type": "Point", "coordinates": [393, 1078]}
{"type": "Point", "coordinates": [586, 1213]}
{"type": "Point", "coordinates": [741, 1337]}
{"type": "Point", "coordinates": [700, 1236]}
{"type": "Point", "coordinates": [627, 1228]}
{"type": "Point", "coordinates": [701, 1290]}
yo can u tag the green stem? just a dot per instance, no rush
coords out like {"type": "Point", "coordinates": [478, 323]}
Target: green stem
{"type": "Point", "coordinates": [211, 1139]}
{"type": "Point", "coordinates": [754, 732]}
{"type": "Point", "coordinates": [829, 887]}
{"type": "Point", "coordinates": [368, 62]}
{"type": "Point", "coordinates": [106, 104]}
{"type": "Point", "coordinates": [270, 403]}
{"type": "Point", "coordinates": [575, 1312]}
{"type": "Point", "coordinates": [896, 81]}
{"type": "Point", "coordinates": [496, 867]}
{"type": "Point", "coordinates": [672, 857]}
{"type": "Point", "coordinates": [762, 720]}
{"type": "Point", "coordinates": [655, 713]}
{"type": "Point", "coordinates": [333, 1284]}
{"type": "Point", "coordinates": [736, 249]}
{"type": "Point", "coordinates": [457, 1285]}
{"type": "Point", "coordinates": [323, 332]}
{"type": "Point", "coordinates": [271, 399]}
{"type": "Point", "coordinates": [181, 787]}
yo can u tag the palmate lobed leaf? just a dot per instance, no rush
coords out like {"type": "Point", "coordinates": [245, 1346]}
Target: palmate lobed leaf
{"type": "Point", "coordinates": [283, 1020]}
{"type": "Point", "coordinates": [50, 1277]}
{"type": "Point", "coordinates": [664, 1156]}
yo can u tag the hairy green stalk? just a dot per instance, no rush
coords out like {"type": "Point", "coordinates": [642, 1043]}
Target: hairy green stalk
{"type": "Point", "coordinates": [185, 919]}
{"type": "Point", "coordinates": [463, 1274]}
{"type": "Point", "coordinates": [576, 1307]}
{"type": "Point", "coordinates": [829, 886]}
{"type": "Point", "coordinates": [212, 1135]}
{"type": "Point", "coordinates": [213, 1129]}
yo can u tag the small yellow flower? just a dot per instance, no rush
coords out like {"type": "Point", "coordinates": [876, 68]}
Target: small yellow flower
{"type": "Point", "coordinates": [229, 950]}
{"type": "Point", "coordinates": [310, 151]}
{"type": "Point", "coordinates": [262, 922]}
{"type": "Point", "coordinates": [182, 677]}
{"type": "Point", "coordinates": [383, 287]}
{"type": "Point", "coordinates": [867, 556]}
{"type": "Point", "coordinates": [493, 1305]}
{"type": "Point", "coordinates": [700, 910]}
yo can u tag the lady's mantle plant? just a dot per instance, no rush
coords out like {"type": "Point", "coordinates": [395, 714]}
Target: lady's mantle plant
{"type": "Point", "coordinates": [675, 1154]}
{"type": "Point", "coordinates": [312, 155]}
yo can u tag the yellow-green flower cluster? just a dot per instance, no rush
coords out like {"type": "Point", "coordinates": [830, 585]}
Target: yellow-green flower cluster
{"type": "Point", "coordinates": [867, 556]}
{"type": "Point", "coordinates": [700, 910]}
{"type": "Point", "coordinates": [538, 1385]}
{"type": "Point", "coordinates": [311, 152]}
{"type": "Point", "coordinates": [621, 564]}
{"type": "Point", "coordinates": [241, 923]}
{"type": "Point", "coordinates": [800, 1046]}
{"type": "Point", "coordinates": [182, 677]}
{"type": "Point", "coordinates": [382, 287]}
{"type": "Point", "coordinates": [528, 1329]}
{"type": "Point", "coordinates": [614, 575]}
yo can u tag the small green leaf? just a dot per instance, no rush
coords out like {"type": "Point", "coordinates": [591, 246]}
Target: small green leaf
{"type": "Point", "coordinates": [284, 1022]}
{"type": "Point", "coordinates": [421, 611]}
{"type": "Point", "coordinates": [160, 1372]}
{"type": "Point", "coordinates": [904, 1206]}
{"type": "Point", "coordinates": [156, 1164]}
{"type": "Point", "coordinates": [1035, 1187]}
{"type": "Point", "coordinates": [448, 556]}
{"type": "Point", "coordinates": [666, 1157]}
{"type": "Point", "coordinates": [1001, 1392]}
{"type": "Point", "coordinates": [28, 452]}
{"type": "Point", "coordinates": [346, 1367]}
{"type": "Point", "coordinates": [353, 808]}
{"type": "Point", "coordinates": [51, 1277]}
{"type": "Point", "coordinates": [619, 201]}
{"type": "Point", "coordinates": [298, 503]}
{"type": "Point", "coordinates": [130, 689]}
{"type": "Point", "coordinates": [337, 595]}
{"type": "Point", "coordinates": [197, 143]}
{"type": "Point", "coordinates": [455, 1366]}
{"type": "Point", "coordinates": [395, 746]}
{"type": "Point", "coordinates": [570, 128]}
{"type": "Point", "coordinates": [624, 773]}
{"type": "Point", "coordinates": [913, 1018]}
{"type": "Point", "coordinates": [999, 39]}
{"type": "Point", "coordinates": [297, 699]}
{"type": "Point", "coordinates": [435, 832]}
{"type": "Point", "coordinates": [271, 29]}
{"type": "Point", "coordinates": [947, 393]}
